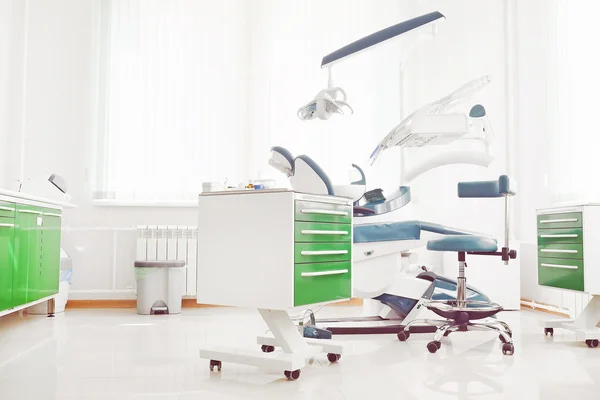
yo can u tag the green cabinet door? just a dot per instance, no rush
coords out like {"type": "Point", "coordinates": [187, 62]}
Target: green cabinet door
{"type": "Point", "coordinates": [7, 245]}
{"type": "Point", "coordinates": [26, 278]}
{"type": "Point", "coordinates": [50, 255]}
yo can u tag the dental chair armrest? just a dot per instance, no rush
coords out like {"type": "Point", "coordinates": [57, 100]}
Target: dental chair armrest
{"type": "Point", "coordinates": [501, 187]}
{"type": "Point", "coordinates": [363, 211]}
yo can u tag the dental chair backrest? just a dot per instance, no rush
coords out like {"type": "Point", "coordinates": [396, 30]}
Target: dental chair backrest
{"type": "Point", "coordinates": [503, 187]}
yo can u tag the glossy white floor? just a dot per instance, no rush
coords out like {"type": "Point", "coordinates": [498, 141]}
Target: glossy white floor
{"type": "Point", "coordinates": [116, 354]}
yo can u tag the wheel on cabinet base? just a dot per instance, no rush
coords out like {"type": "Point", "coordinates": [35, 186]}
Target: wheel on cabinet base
{"type": "Point", "coordinates": [292, 375]}
{"type": "Point", "coordinates": [403, 335]}
{"type": "Point", "coordinates": [549, 331]}
{"type": "Point", "coordinates": [508, 349]}
{"type": "Point", "coordinates": [267, 349]}
{"type": "Point", "coordinates": [592, 343]}
{"type": "Point", "coordinates": [215, 363]}
{"type": "Point", "coordinates": [333, 358]}
{"type": "Point", "coordinates": [502, 337]}
{"type": "Point", "coordinates": [434, 346]}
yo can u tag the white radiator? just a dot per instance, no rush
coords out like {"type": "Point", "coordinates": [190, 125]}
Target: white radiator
{"type": "Point", "coordinates": [162, 242]}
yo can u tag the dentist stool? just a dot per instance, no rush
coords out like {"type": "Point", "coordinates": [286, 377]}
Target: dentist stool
{"type": "Point", "coordinates": [460, 314]}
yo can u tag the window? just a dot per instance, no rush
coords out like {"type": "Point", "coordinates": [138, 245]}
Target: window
{"type": "Point", "coordinates": [194, 91]}
{"type": "Point", "coordinates": [574, 141]}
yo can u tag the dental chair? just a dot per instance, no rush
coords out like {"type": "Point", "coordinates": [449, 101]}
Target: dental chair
{"type": "Point", "coordinates": [462, 314]}
{"type": "Point", "coordinates": [380, 250]}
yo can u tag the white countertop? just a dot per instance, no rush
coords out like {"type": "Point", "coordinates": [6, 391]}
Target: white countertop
{"type": "Point", "coordinates": [24, 196]}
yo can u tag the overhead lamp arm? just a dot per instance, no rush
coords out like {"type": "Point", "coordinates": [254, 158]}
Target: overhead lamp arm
{"type": "Point", "coordinates": [379, 37]}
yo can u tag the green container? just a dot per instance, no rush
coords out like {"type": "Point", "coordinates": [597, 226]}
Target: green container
{"type": "Point", "coordinates": [7, 253]}
{"type": "Point", "coordinates": [322, 282]}
{"type": "Point", "coordinates": [322, 232]}
{"type": "Point", "coordinates": [561, 250]}
{"type": "Point", "coordinates": [562, 235]}
{"type": "Point", "coordinates": [309, 211]}
{"type": "Point", "coordinates": [561, 273]}
{"type": "Point", "coordinates": [562, 220]}
{"type": "Point", "coordinates": [322, 252]}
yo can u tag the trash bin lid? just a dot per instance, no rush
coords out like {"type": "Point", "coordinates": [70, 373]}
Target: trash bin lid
{"type": "Point", "coordinates": [159, 264]}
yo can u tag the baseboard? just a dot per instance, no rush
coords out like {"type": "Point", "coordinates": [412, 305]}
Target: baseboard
{"type": "Point", "coordinates": [186, 303]}
{"type": "Point", "coordinates": [542, 309]}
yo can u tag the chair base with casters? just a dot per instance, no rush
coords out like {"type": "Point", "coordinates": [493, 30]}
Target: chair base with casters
{"type": "Point", "coordinates": [461, 314]}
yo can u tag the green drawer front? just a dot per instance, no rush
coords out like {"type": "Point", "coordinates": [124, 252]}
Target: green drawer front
{"type": "Point", "coordinates": [563, 235]}
{"type": "Point", "coordinates": [561, 250]}
{"type": "Point", "coordinates": [563, 274]}
{"type": "Point", "coordinates": [321, 282]}
{"type": "Point", "coordinates": [322, 252]}
{"type": "Point", "coordinates": [322, 232]}
{"type": "Point", "coordinates": [7, 210]}
{"type": "Point", "coordinates": [563, 220]}
{"type": "Point", "coordinates": [310, 211]}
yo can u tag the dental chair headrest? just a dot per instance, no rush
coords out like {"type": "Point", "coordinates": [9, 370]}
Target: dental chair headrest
{"type": "Point", "coordinates": [282, 160]}
{"type": "Point", "coordinates": [362, 180]}
{"type": "Point", "coordinates": [309, 177]}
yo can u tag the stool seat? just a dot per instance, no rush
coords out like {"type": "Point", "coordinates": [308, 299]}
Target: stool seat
{"type": "Point", "coordinates": [464, 243]}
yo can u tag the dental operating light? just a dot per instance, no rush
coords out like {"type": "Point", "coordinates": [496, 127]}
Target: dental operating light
{"type": "Point", "coordinates": [333, 99]}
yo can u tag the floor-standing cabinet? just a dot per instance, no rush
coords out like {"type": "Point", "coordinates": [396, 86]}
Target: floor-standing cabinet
{"type": "Point", "coordinates": [30, 237]}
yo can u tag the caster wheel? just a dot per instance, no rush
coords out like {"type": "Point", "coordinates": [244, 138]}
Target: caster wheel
{"type": "Point", "coordinates": [292, 375]}
{"type": "Point", "coordinates": [403, 336]}
{"type": "Point", "coordinates": [447, 333]}
{"type": "Point", "coordinates": [502, 337]}
{"type": "Point", "coordinates": [549, 331]}
{"type": "Point", "coordinates": [592, 343]}
{"type": "Point", "coordinates": [333, 358]}
{"type": "Point", "coordinates": [267, 349]}
{"type": "Point", "coordinates": [215, 363]}
{"type": "Point", "coordinates": [434, 346]}
{"type": "Point", "coordinates": [508, 349]}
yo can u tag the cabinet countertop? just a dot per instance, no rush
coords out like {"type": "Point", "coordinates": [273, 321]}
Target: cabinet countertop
{"type": "Point", "coordinates": [15, 196]}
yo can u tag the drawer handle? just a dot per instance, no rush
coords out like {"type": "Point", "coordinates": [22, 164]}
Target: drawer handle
{"type": "Point", "coordinates": [6, 209]}
{"type": "Point", "coordinates": [31, 212]}
{"type": "Point", "coordinates": [324, 212]}
{"type": "Point", "coordinates": [559, 266]}
{"type": "Point", "coordinates": [566, 235]}
{"type": "Point", "coordinates": [7, 225]}
{"type": "Point", "coordinates": [323, 252]}
{"type": "Point", "coordinates": [52, 215]}
{"type": "Point", "coordinates": [324, 273]}
{"type": "Point", "coordinates": [549, 221]}
{"type": "Point", "coordinates": [559, 251]}
{"type": "Point", "coordinates": [314, 232]}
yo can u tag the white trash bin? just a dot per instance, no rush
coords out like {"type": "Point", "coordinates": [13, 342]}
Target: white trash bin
{"type": "Point", "coordinates": [60, 301]}
{"type": "Point", "coordinates": [160, 286]}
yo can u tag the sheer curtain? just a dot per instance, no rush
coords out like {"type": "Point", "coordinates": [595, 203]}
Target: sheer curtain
{"type": "Point", "coordinates": [197, 91]}
{"type": "Point", "coordinates": [574, 141]}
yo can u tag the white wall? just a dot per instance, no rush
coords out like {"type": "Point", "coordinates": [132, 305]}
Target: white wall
{"type": "Point", "coordinates": [5, 41]}
{"type": "Point", "coordinates": [534, 108]}
{"type": "Point", "coordinates": [59, 107]}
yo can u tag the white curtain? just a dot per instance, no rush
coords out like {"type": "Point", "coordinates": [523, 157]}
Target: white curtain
{"type": "Point", "coordinates": [574, 140]}
{"type": "Point", "coordinates": [199, 91]}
